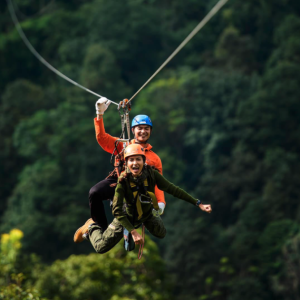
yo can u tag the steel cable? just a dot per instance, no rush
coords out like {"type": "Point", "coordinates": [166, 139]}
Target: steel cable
{"type": "Point", "coordinates": [38, 56]}
{"type": "Point", "coordinates": [206, 19]}
{"type": "Point", "coordinates": [213, 11]}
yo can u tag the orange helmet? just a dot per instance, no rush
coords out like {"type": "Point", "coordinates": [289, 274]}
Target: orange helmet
{"type": "Point", "coordinates": [134, 149]}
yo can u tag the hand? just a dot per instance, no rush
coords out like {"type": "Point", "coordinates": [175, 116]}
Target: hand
{"type": "Point", "coordinates": [205, 207]}
{"type": "Point", "coordinates": [102, 105]}
{"type": "Point", "coordinates": [137, 238]}
{"type": "Point", "coordinates": [161, 206]}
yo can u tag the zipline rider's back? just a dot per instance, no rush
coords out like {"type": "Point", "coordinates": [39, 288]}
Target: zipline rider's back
{"type": "Point", "coordinates": [141, 128]}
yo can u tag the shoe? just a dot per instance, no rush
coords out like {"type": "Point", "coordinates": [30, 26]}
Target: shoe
{"type": "Point", "coordinates": [82, 233]}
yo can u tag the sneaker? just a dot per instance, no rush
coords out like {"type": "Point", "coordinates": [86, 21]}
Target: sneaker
{"type": "Point", "coordinates": [82, 233]}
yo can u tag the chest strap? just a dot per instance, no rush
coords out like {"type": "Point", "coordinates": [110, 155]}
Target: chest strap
{"type": "Point", "coordinates": [136, 190]}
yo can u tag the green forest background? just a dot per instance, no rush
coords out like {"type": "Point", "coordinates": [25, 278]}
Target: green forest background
{"type": "Point", "coordinates": [226, 114]}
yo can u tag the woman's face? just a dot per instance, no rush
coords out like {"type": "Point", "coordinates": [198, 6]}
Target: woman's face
{"type": "Point", "coordinates": [135, 164]}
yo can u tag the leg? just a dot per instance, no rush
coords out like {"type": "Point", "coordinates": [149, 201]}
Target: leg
{"type": "Point", "coordinates": [104, 241]}
{"type": "Point", "coordinates": [103, 190]}
{"type": "Point", "coordinates": [156, 226]}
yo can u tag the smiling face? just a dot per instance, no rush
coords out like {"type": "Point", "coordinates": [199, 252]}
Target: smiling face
{"type": "Point", "coordinates": [135, 164]}
{"type": "Point", "coordinates": [142, 133]}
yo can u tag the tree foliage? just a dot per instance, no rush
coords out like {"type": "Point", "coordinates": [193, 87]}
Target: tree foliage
{"type": "Point", "coordinates": [226, 126]}
{"type": "Point", "coordinates": [115, 275]}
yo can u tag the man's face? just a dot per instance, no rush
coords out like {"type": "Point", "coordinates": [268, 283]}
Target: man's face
{"type": "Point", "coordinates": [142, 133]}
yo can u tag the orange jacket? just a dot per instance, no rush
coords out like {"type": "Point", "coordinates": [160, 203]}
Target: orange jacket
{"type": "Point", "coordinates": [107, 142]}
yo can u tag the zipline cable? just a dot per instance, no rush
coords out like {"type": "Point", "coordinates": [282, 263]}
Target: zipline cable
{"type": "Point", "coordinates": [41, 11]}
{"type": "Point", "coordinates": [38, 56]}
{"type": "Point", "coordinates": [206, 19]}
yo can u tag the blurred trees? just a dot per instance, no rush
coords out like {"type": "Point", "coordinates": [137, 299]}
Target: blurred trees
{"type": "Point", "coordinates": [226, 125]}
{"type": "Point", "coordinates": [11, 263]}
{"type": "Point", "coordinates": [116, 275]}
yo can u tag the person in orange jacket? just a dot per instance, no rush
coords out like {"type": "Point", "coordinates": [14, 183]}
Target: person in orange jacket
{"type": "Point", "coordinates": [104, 190]}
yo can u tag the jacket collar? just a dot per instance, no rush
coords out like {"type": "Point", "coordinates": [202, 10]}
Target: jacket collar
{"type": "Point", "coordinates": [149, 147]}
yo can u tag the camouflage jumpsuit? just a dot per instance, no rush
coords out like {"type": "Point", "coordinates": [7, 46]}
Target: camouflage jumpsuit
{"type": "Point", "coordinates": [131, 217]}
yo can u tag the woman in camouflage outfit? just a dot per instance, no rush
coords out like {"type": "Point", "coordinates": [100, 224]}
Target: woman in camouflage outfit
{"type": "Point", "coordinates": [134, 203]}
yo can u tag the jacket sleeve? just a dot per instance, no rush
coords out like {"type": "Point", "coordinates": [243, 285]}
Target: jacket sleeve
{"type": "Point", "coordinates": [117, 208]}
{"type": "Point", "coordinates": [160, 196]}
{"type": "Point", "coordinates": [159, 193]}
{"type": "Point", "coordinates": [168, 187]}
{"type": "Point", "coordinates": [106, 141]}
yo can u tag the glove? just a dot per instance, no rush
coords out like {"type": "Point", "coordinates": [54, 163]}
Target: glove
{"type": "Point", "coordinates": [161, 209]}
{"type": "Point", "coordinates": [102, 105]}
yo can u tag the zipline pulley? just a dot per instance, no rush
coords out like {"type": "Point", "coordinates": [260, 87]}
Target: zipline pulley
{"type": "Point", "coordinates": [125, 107]}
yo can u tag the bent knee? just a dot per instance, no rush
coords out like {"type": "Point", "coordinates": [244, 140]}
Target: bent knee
{"type": "Point", "coordinates": [93, 191]}
{"type": "Point", "coordinates": [161, 234]}
{"type": "Point", "coordinates": [101, 249]}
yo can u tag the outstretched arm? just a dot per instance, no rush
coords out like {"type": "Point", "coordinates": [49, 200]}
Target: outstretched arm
{"type": "Point", "coordinates": [158, 193]}
{"type": "Point", "coordinates": [170, 188]}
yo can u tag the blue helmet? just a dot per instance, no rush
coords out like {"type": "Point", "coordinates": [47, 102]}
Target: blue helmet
{"type": "Point", "coordinates": [141, 120]}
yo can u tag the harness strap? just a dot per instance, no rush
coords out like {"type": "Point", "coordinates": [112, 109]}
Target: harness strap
{"type": "Point", "coordinates": [119, 157]}
{"type": "Point", "coordinates": [138, 204]}
{"type": "Point", "coordinates": [137, 196]}
{"type": "Point", "coordinates": [154, 200]}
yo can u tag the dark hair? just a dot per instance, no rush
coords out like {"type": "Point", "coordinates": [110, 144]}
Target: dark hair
{"type": "Point", "coordinates": [123, 176]}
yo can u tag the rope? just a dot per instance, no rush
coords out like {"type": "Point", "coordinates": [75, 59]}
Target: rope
{"type": "Point", "coordinates": [38, 56]}
{"type": "Point", "coordinates": [206, 19]}
{"type": "Point", "coordinates": [142, 245]}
